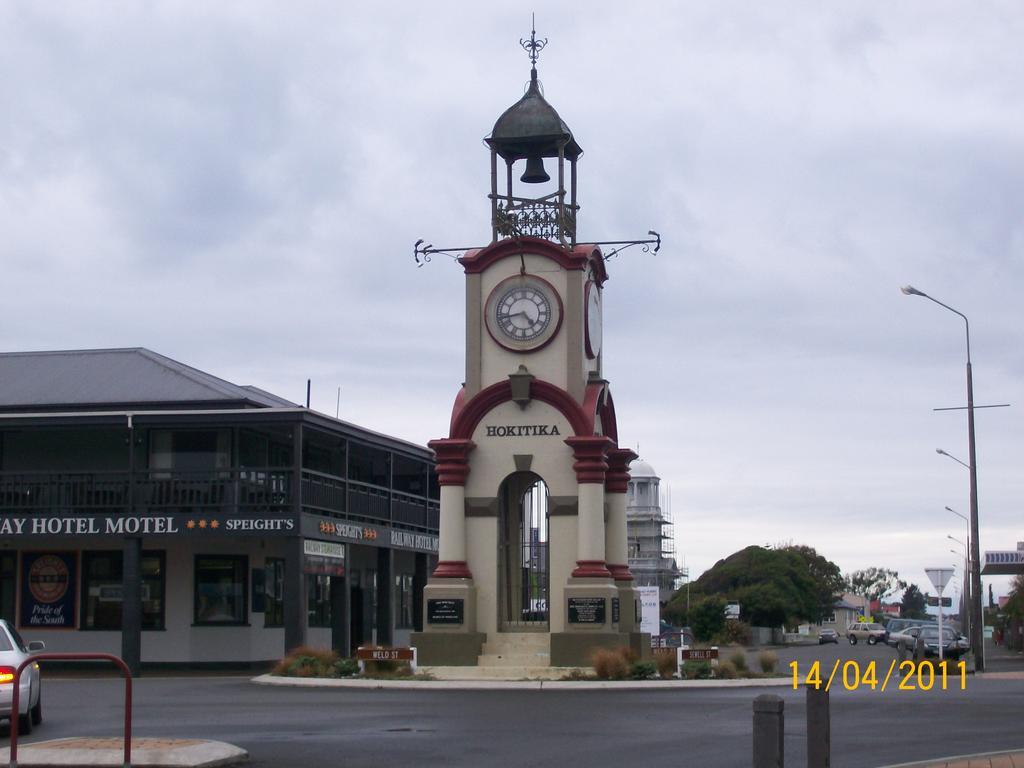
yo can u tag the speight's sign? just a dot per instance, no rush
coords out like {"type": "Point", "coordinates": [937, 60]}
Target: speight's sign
{"type": "Point", "coordinates": [330, 529]}
{"type": "Point", "coordinates": [145, 525]}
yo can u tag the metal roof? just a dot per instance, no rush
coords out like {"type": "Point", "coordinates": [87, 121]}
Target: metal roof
{"type": "Point", "coordinates": [115, 377]}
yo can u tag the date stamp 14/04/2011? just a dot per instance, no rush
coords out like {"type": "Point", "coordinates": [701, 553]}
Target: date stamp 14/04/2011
{"type": "Point", "coordinates": [923, 675]}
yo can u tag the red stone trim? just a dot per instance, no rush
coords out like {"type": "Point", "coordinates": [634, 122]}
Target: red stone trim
{"type": "Point", "coordinates": [617, 478]}
{"type": "Point", "coordinates": [620, 572]}
{"type": "Point", "coordinates": [489, 398]}
{"type": "Point", "coordinates": [589, 452]}
{"type": "Point", "coordinates": [609, 425]}
{"type": "Point", "coordinates": [452, 569]}
{"type": "Point", "coordinates": [479, 259]}
{"type": "Point", "coordinates": [597, 399]}
{"type": "Point", "coordinates": [452, 464]}
{"type": "Point", "coordinates": [591, 569]}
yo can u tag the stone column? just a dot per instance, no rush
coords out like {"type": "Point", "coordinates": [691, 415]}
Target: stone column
{"type": "Point", "coordinates": [452, 470]}
{"type": "Point", "coordinates": [615, 485]}
{"type": "Point", "coordinates": [590, 466]}
{"type": "Point", "coordinates": [591, 599]}
{"type": "Point", "coordinates": [449, 635]}
{"type": "Point", "coordinates": [617, 549]}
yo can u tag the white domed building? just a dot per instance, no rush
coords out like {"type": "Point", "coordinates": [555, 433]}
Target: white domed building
{"type": "Point", "coordinates": [648, 532]}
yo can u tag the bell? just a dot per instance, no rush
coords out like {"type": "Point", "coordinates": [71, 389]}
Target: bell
{"type": "Point", "coordinates": [535, 173]}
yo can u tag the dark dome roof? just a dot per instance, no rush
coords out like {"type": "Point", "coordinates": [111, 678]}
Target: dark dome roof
{"type": "Point", "coordinates": [532, 127]}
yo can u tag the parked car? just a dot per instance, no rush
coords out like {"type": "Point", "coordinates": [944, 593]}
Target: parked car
{"type": "Point", "coordinates": [13, 651]}
{"type": "Point", "coordinates": [904, 638]}
{"type": "Point", "coordinates": [828, 636]}
{"type": "Point", "coordinates": [867, 631]}
{"type": "Point", "coordinates": [954, 645]}
{"type": "Point", "coordinates": [898, 627]}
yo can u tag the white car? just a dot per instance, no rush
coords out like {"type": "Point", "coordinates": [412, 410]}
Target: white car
{"type": "Point", "coordinates": [13, 651]}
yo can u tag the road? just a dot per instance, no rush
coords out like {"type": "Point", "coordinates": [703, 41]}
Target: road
{"type": "Point", "coordinates": [679, 727]}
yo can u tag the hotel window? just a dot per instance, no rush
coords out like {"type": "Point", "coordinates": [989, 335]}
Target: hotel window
{"type": "Point", "coordinates": [368, 465]}
{"type": "Point", "coordinates": [102, 587]}
{"type": "Point", "coordinates": [220, 589]}
{"type": "Point", "coordinates": [403, 588]}
{"type": "Point", "coordinates": [318, 598]}
{"type": "Point", "coordinates": [273, 585]}
{"type": "Point", "coordinates": [409, 476]}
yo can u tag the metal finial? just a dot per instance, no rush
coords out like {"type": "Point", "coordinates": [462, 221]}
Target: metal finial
{"type": "Point", "coordinates": [533, 46]}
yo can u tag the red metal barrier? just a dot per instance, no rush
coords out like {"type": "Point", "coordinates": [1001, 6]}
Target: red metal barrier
{"type": "Point", "coordinates": [16, 696]}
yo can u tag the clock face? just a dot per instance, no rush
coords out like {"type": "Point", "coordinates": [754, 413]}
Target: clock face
{"type": "Point", "coordinates": [523, 313]}
{"type": "Point", "coordinates": [594, 324]}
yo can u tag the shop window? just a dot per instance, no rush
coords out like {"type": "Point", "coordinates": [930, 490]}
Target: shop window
{"type": "Point", "coordinates": [368, 465]}
{"type": "Point", "coordinates": [220, 589]}
{"type": "Point", "coordinates": [404, 593]}
{"type": "Point", "coordinates": [318, 598]}
{"type": "Point", "coordinates": [273, 585]}
{"type": "Point", "coordinates": [102, 574]}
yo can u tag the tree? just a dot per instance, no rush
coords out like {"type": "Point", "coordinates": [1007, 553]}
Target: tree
{"type": "Point", "coordinates": [828, 579]}
{"type": "Point", "coordinates": [874, 583]}
{"type": "Point", "coordinates": [915, 604]}
{"type": "Point", "coordinates": [773, 586]}
{"type": "Point", "coordinates": [707, 618]}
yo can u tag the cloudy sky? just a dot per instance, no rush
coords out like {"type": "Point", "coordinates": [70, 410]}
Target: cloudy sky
{"type": "Point", "coordinates": [239, 185]}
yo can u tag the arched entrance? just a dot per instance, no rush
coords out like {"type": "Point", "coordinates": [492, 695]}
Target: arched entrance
{"type": "Point", "coordinates": [523, 557]}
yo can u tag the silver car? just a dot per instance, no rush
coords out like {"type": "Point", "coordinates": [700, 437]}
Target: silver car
{"type": "Point", "coordinates": [13, 651]}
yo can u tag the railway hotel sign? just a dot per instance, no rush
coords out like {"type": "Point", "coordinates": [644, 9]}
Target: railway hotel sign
{"type": "Point", "coordinates": [119, 525]}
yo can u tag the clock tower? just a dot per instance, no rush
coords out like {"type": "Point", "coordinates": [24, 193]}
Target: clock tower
{"type": "Point", "coordinates": [532, 564]}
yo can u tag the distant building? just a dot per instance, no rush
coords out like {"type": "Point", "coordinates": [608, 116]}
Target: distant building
{"type": "Point", "coordinates": [647, 530]}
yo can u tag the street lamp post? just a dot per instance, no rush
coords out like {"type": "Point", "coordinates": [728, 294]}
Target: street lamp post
{"type": "Point", "coordinates": [967, 557]}
{"type": "Point", "coordinates": [966, 592]}
{"type": "Point", "coordinates": [977, 631]}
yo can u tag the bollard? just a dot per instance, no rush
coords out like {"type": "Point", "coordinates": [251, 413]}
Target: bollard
{"type": "Point", "coordinates": [769, 729]}
{"type": "Point", "coordinates": [819, 728]}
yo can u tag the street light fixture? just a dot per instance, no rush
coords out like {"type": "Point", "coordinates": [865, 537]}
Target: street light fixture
{"type": "Point", "coordinates": [954, 458]}
{"type": "Point", "coordinates": [950, 509]}
{"type": "Point", "coordinates": [977, 632]}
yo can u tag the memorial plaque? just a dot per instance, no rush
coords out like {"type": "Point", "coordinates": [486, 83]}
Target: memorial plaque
{"type": "Point", "coordinates": [445, 611]}
{"type": "Point", "coordinates": [586, 610]}
{"type": "Point", "coordinates": [615, 610]}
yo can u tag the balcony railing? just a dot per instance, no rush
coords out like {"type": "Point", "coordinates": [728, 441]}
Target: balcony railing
{"type": "Point", "coordinates": [227, 491]}
{"type": "Point", "coordinates": [248, 490]}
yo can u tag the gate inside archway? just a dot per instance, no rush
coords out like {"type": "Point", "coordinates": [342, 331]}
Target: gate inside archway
{"type": "Point", "coordinates": [523, 554]}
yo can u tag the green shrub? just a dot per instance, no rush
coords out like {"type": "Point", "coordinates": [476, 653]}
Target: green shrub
{"type": "Point", "coordinates": [696, 670]}
{"type": "Point", "coordinates": [727, 670]}
{"type": "Point", "coordinates": [346, 668]}
{"type": "Point", "coordinates": [768, 661]}
{"type": "Point", "coordinates": [739, 660]}
{"type": "Point", "coordinates": [643, 670]}
{"type": "Point", "coordinates": [306, 661]}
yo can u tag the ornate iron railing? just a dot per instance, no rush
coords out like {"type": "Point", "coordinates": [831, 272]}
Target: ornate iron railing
{"type": "Point", "coordinates": [544, 217]}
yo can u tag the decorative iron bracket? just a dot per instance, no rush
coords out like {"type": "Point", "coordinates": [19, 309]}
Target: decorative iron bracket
{"type": "Point", "coordinates": [421, 253]}
{"type": "Point", "coordinates": [624, 244]}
